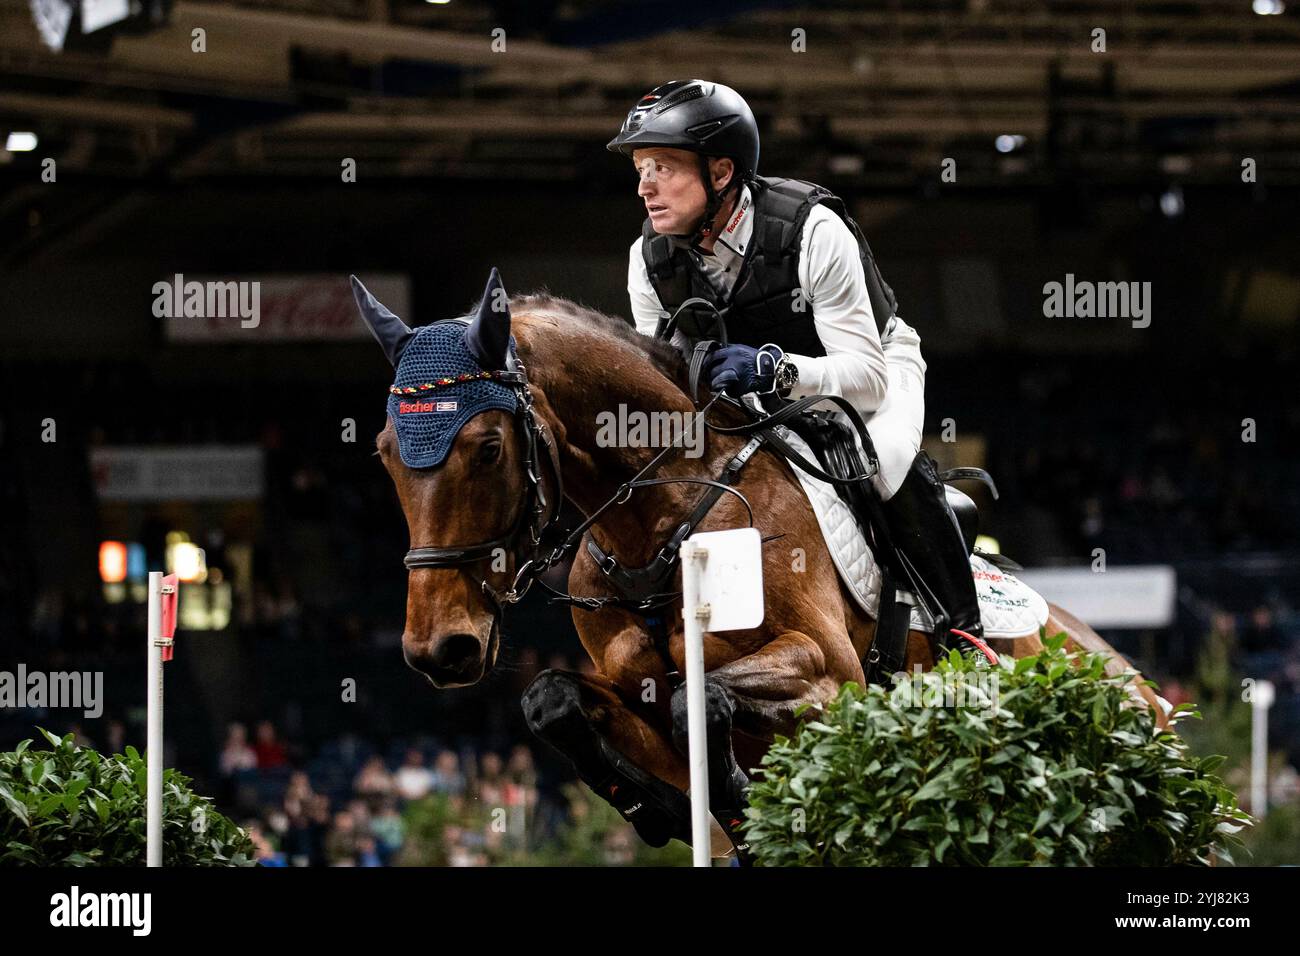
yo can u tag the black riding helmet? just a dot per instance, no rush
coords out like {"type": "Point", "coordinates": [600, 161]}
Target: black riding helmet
{"type": "Point", "coordinates": [708, 119]}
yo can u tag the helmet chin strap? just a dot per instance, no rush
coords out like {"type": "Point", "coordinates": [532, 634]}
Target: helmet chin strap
{"type": "Point", "coordinates": [704, 228]}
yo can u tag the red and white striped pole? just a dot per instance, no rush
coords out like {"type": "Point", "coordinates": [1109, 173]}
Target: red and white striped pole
{"type": "Point", "coordinates": [162, 630]}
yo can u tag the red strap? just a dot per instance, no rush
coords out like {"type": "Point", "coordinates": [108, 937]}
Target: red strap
{"type": "Point", "coordinates": [984, 648]}
{"type": "Point", "coordinates": [170, 600]}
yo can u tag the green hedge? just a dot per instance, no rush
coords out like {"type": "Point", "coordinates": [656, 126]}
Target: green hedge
{"type": "Point", "coordinates": [1064, 770]}
{"type": "Point", "coordinates": [70, 806]}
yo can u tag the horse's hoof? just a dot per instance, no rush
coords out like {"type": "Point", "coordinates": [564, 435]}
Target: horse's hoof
{"type": "Point", "coordinates": [719, 708]}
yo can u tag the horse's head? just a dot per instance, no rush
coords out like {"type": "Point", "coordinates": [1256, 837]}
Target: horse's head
{"type": "Point", "coordinates": [465, 453]}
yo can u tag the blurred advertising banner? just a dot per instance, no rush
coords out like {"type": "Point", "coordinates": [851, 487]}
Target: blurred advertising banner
{"type": "Point", "coordinates": [177, 473]}
{"type": "Point", "coordinates": [1130, 597]}
{"type": "Point", "coordinates": [278, 308]}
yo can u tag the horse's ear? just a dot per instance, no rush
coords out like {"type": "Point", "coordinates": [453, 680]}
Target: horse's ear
{"type": "Point", "coordinates": [488, 336]}
{"type": "Point", "coordinates": [390, 331]}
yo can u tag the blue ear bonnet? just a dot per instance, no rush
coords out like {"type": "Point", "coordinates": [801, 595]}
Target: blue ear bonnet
{"type": "Point", "coordinates": [428, 420]}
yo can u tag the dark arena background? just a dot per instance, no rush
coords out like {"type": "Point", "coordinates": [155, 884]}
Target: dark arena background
{"type": "Point", "coordinates": [1148, 464]}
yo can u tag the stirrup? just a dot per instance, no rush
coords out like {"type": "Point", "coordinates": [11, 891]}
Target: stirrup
{"type": "Point", "coordinates": [982, 653]}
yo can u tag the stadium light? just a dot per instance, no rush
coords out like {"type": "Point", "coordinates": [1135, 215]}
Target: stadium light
{"type": "Point", "coordinates": [1171, 202]}
{"type": "Point", "coordinates": [1268, 8]}
{"type": "Point", "coordinates": [112, 562]}
{"type": "Point", "coordinates": [21, 142]}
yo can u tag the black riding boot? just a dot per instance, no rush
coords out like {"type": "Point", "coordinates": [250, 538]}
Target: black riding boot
{"type": "Point", "coordinates": [924, 528]}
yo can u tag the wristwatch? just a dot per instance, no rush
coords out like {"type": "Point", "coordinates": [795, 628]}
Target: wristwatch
{"type": "Point", "coordinates": [786, 377]}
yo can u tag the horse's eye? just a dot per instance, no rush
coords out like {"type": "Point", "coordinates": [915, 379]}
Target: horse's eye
{"type": "Point", "coordinates": [489, 451]}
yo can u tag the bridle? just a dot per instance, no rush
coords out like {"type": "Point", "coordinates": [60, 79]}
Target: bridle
{"type": "Point", "coordinates": [536, 514]}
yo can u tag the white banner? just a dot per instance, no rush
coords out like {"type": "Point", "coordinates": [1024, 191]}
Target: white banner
{"type": "Point", "coordinates": [281, 308]}
{"type": "Point", "coordinates": [1131, 597]}
{"type": "Point", "coordinates": [96, 14]}
{"type": "Point", "coordinates": [181, 473]}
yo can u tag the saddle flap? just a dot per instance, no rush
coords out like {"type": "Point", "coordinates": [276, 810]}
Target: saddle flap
{"type": "Point", "coordinates": [968, 515]}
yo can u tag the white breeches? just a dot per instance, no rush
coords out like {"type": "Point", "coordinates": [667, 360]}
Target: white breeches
{"type": "Point", "coordinates": [895, 427]}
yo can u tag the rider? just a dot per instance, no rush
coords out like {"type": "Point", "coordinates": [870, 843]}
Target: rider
{"type": "Point", "coordinates": [762, 251]}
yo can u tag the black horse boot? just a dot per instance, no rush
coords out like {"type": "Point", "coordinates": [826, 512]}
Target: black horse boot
{"type": "Point", "coordinates": [924, 528]}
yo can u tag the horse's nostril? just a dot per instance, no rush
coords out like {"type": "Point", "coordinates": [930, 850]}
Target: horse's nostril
{"type": "Point", "coordinates": [457, 653]}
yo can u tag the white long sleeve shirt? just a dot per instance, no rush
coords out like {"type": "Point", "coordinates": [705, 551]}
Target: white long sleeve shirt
{"type": "Point", "coordinates": [830, 274]}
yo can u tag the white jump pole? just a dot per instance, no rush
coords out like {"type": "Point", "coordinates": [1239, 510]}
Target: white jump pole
{"type": "Point", "coordinates": [693, 558]}
{"type": "Point", "coordinates": [1261, 700]}
{"type": "Point", "coordinates": [154, 745]}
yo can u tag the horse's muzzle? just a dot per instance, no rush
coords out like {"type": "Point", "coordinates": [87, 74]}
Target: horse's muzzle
{"type": "Point", "coordinates": [455, 660]}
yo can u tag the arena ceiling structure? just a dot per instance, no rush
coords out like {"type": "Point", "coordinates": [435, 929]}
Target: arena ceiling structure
{"type": "Point", "coordinates": [873, 95]}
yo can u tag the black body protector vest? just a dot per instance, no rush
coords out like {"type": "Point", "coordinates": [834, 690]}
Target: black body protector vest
{"type": "Point", "coordinates": [762, 306]}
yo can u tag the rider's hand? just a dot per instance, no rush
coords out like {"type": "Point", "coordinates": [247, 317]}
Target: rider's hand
{"type": "Point", "coordinates": [734, 369]}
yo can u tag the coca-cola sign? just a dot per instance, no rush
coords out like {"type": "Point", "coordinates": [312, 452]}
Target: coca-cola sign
{"type": "Point", "coordinates": [302, 308]}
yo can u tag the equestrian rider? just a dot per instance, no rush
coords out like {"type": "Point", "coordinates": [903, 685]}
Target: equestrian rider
{"type": "Point", "coordinates": [805, 309]}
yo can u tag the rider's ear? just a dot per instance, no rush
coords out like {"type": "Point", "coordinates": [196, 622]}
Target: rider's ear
{"type": "Point", "coordinates": [722, 170]}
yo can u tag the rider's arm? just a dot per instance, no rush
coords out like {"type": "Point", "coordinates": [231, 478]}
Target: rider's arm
{"type": "Point", "coordinates": [645, 303]}
{"type": "Point", "coordinates": [830, 272]}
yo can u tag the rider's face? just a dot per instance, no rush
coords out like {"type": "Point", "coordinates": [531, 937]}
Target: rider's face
{"type": "Point", "coordinates": [671, 189]}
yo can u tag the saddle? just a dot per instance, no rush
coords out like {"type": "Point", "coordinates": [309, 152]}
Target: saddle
{"type": "Point", "coordinates": [834, 443]}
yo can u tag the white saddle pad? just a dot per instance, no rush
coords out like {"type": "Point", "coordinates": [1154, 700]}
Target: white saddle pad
{"type": "Point", "coordinates": [1009, 608]}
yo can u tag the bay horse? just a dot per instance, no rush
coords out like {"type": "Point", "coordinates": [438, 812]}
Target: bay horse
{"type": "Point", "coordinates": [471, 519]}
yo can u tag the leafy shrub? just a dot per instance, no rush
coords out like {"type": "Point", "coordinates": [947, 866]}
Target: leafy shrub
{"type": "Point", "coordinates": [1058, 767]}
{"type": "Point", "coordinates": [70, 806]}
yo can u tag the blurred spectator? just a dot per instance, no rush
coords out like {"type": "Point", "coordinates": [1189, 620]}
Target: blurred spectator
{"type": "Point", "coordinates": [491, 780]}
{"type": "Point", "coordinates": [341, 845]}
{"type": "Point", "coordinates": [413, 779]}
{"type": "Point", "coordinates": [270, 751]}
{"type": "Point", "coordinates": [374, 780]}
{"type": "Point", "coordinates": [447, 777]}
{"type": "Point", "coordinates": [236, 754]}
{"type": "Point", "coordinates": [299, 795]}
{"type": "Point", "coordinates": [368, 852]}
{"type": "Point", "coordinates": [389, 829]}
{"type": "Point", "coordinates": [305, 837]}
{"type": "Point", "coordinates": [265, 853]}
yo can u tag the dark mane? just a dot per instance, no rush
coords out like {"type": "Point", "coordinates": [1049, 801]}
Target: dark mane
{"type": "Point", "coordinates": [664, 356]}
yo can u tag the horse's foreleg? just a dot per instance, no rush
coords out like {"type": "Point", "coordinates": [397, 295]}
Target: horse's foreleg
{"type": "Point", "coordinates": [613, 751]}
{"type": "Point", "coordinates": [769, 685]}
{"type": "Point", "coordinates": [756, 695]}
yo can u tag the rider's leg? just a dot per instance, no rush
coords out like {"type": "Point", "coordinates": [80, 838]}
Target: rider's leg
{"type": "Point", "coordinates": [924, 528]}
{"type": "Point", "coordinates": [921, 522]}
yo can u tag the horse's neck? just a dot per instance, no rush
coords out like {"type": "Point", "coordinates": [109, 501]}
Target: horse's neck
{"type": "Point", "coordinates": [577, 396]}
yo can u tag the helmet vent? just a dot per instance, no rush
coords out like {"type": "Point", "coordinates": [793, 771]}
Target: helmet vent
{"type": "Point", "coordinates": [703, 131]}
{"type": "Point", "coordinates": [691, 92]}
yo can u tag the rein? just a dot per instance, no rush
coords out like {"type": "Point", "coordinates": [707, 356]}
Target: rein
{"type": "Point", "coordinates": [641, 590]}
